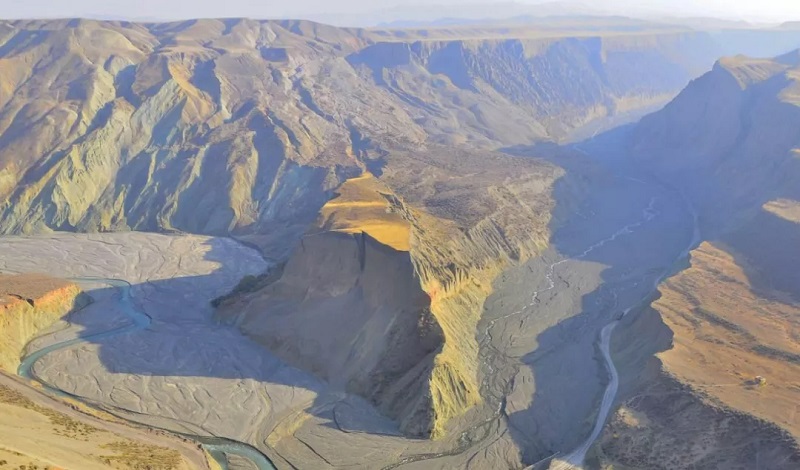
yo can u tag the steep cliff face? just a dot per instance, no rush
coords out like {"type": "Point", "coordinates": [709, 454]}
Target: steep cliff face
{"type": "Point", "coordinates": [349, 306]}
{"type": "Point", "coordinates": [382, 297]}
{"type": "Point", "coordinates": [729, 139]}
{"type": "Point", "coordinates": [352, 311]}
{"type": "Point", "coordinates": [538, 88]}
{"type": "Point", "coordinates": [30, 303]}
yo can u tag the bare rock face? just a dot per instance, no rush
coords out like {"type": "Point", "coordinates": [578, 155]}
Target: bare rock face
{"type": "Point", "coordinates": [730, 138]}
{"type": "Point", "coordinates": [352, 311]}
{"type": "Point", "coordinates": [382, 298]}
{"type": "Point", "coordinates": [30, 303]}
{"type": "Point", "coordinates": [484, 82]}
{"type": "Point", "coordinates": [725, 325]}
{"type": "Point", "coordinates": [245, 127]}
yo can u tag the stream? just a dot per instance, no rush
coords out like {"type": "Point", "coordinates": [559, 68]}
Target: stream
{"type": "Point", "coordinates": [574, 460]}
{"type": "Point", "coordinates": [217, 447]}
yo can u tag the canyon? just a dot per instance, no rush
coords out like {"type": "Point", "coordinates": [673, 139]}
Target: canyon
{"type": "Point", "coordinates": [301, 246]}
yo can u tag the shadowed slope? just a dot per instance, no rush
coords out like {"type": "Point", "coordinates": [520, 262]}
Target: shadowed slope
{"type": "Point", "coordinates": [724, 386]}
{"type": "Point", "coordinates": [245, 127]}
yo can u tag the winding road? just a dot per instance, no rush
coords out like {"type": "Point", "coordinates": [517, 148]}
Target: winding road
{"type": "Point", "coordinates": [217, 447]}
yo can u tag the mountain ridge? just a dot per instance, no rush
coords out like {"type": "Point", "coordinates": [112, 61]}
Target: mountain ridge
{"type": "Point", "coordinates": [722, 329]}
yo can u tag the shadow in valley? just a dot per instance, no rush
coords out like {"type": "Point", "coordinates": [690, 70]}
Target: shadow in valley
{"type": "Point", "coordinates": [616, 241]}
{"type": "Point", "coordinates": [566, 366]}
{"type": "Point", "coordinates": [163, 333]}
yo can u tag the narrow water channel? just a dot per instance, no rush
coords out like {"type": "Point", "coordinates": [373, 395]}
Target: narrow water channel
{"type": "Point", "coordinates": [217, 447]}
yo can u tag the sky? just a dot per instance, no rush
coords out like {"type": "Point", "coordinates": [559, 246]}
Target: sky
{"type": "Point", "coordinates": [364, 12]}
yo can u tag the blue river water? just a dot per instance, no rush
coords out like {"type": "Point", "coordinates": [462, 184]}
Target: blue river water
{"type": "Point", "coordinates": [217, 447]}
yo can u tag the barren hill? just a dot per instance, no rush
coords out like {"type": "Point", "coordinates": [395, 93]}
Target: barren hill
{"type": "Point", "coordinates": [369, 166]}
{"type": "Point", "coordinates": [250, 127]}
{"type": "Point", "coordinates": [728, 346]}
{"type": "Point", "coordinates": [241, 126]}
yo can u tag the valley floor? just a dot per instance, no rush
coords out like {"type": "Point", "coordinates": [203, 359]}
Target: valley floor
{"type": "Point", "coordinates": [543, 323]}
{"type": "Point", "coordinates": [38, 431]}
{"type": "Point", "coordinates": [542, 379]}
{"type": "Point", "coordinates": [542, 375]}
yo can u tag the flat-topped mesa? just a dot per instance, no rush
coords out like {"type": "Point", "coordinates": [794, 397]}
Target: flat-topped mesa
{"type": "Point", "coordinates": [362, 205]}
{"type": "Point", "coordinates": [349, 306]}
{"type": "Point", "coordinates": [30, 303]}
{"type": "Point", "coordinates": [383, 299]}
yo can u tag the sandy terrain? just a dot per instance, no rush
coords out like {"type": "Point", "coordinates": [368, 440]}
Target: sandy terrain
{"type": "Point", "coordinates": [723, 342]}
{"type": "Point", "coordinates": [39, 431]}
{"type": "Point", "coordinates": [187, 373]}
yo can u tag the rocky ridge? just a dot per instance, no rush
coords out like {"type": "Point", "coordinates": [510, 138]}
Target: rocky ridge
{"type": "Point", "coordinates": [724, 328]}
{"type": "Point", "coordinates": [245, 127]}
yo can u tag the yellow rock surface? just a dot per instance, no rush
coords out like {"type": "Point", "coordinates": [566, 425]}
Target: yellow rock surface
{"type": "Point", "coordinates": [726, 335]}
{"type": "Point", "coordinates": [28, 304]}
{"type": "Point", "coordinates": [362, 207]}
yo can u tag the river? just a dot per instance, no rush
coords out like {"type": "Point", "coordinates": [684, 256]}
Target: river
{"type": "Point", "coordinates": [215, 446]}
{"type": "Point", "coordinates": [574, 459]}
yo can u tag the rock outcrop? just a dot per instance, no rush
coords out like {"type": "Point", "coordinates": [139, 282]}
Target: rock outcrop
{"type": "Point", "coordinates": [349, 306]}
{"type": "Point", "coordinates": [723, 329]}
{"type": "Point", "coordinates": [382, 298]}
{"type": "Point", "coordinates": [30, 303]}
{"type": "Point", "coordinates": [729, 140]}
{"type": "Point", "coordinates": [245, 127]}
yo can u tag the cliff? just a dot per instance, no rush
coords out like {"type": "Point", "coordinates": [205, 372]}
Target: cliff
{"type": "Point", "coordinates": [30, 303]}
{"type": "Point", "coordinates": [382, 297]}
{"type": "Point", "coordinates": [708, 370]}
{"type": "Point", "coordinates": [729, 138]}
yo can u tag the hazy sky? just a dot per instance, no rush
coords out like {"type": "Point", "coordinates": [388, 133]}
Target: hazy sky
{"type": "Point", "coordinates": [339, 11]}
